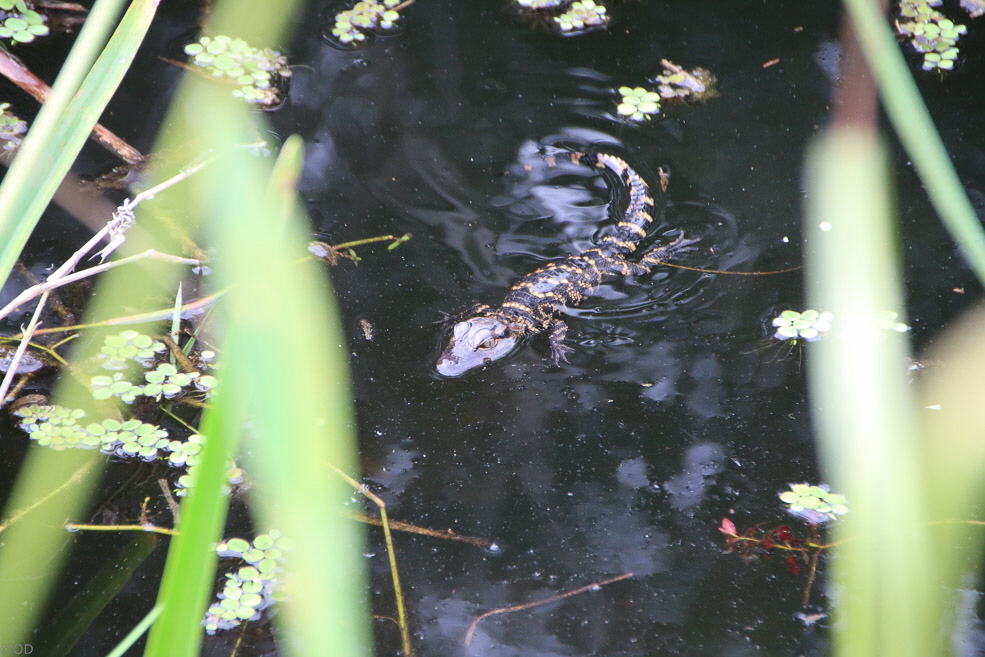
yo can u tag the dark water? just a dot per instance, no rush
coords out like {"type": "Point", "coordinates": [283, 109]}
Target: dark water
{"type": "Point", "coordinates": [670, 415]}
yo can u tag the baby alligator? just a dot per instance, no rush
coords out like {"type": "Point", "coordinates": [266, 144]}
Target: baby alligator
{"type": "Point", "coordinates": [534, 303]}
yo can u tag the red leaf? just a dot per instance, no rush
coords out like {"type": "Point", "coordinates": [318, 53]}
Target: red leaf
{"type": "Point", "coordinates": [728, 527]}
{"type": "Point", "coordinates": [783, 533]}
{"type": "Point", "coordinates": [793, 565]}
{"type": "Point", "coordinates": [767, 544]}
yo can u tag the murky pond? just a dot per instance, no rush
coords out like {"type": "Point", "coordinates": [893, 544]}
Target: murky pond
{"type": "Point", "coordinates": [675, 409]}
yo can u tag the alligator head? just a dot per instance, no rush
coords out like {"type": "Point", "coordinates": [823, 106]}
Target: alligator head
{"type": "Point", "coordinates": [477, 341]}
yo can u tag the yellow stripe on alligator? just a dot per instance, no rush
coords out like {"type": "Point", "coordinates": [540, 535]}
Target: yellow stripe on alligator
{"type": "Point", "coordinates": [633, 227]}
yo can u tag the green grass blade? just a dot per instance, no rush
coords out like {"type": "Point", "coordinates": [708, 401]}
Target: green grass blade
{"type": "Point", "coordinates": [912, 122]}
{"type": "Point", "coordinates": [66, 119]}
{"type": "Point", "coordinates": [46, 155]}
{"type": "Point", "coordinates": [890, 597]}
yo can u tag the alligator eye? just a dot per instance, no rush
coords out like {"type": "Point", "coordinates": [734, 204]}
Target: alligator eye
{"type": "Point", "coordinates": [488, 344]}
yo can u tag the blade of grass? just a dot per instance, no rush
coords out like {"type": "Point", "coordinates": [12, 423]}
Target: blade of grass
{"type": "Point", "coordinates": [912, 122]}
{"type": "Point", "coordinates": [47, 152]}
{"type": "Point", "coordinates": [77, 99]}
{"type": "Point", "coordinates": [889, 599]}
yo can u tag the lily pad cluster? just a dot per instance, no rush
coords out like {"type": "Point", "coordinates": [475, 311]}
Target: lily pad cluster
{"type": "Point", "coordinates": [640, 104]}
{"type": "Point", "coordinates": [12, 129]}
{"type": "Point", "coordinates": [20, 23]}
{"type": "Point", "coordinates": [930, 32]}
{"type": "Point", "coordinates": [353, 25]}
{"type": "Point", "coordinates": [254, 71]}
{"type": "Point", "coordinates": [815, 504]}
{"type": "Point", "coordinates": [808, 325]}
{"type": "Point", "coordinates": [249, 589]}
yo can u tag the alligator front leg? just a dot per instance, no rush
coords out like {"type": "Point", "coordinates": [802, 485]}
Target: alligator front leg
{"type": "Point", "coordinates": [662, 254]}
{"type": "Point", "coordinates": [559, 350]}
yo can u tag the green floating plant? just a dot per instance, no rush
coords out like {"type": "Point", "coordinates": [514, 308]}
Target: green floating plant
{"type": "Point", "coordinates": [930, 32]}
{"type": "Point", "coordinates": [129, 345]}
{"type": "Point", "coordinates": [638, 104]}
{"type": "Point", "coordinates": [809, 325]}
{"type": "Point", "coordinates": [816, 504]}
{"type": "Point", "coordinates": [59, 428]}
{"type": "Point", "coordinates": [19, 22]}
{"type": "Point", "coordinates": [12, 129]}
{"type": "Point", "coordinates": [581, 16]}
{"type": "Point", "coordinates": [251, 588]}
{"type": "Point", "coordinates": [252, 69]}
{"type": "Point", "coordinates": [352, 25]}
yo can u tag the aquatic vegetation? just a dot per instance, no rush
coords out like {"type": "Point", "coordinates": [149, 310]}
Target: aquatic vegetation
{"type": "Point", "coordinates": [930, 32]}
{"type": "Point", "coordinates": [638, 104]}
{"type": "Point", "coordinates": [12, 128]}
{"type": "Point", "coordinates": [353, 25]}
{"type": "Point", "coordinates": [815, 504]}
{"type": "Point", "coordinates": [60, 428]}
{"type": "Point", "coordinates": [63, 428]}
{"type": "Point", "coordinates": [254, 70]}
{"type": "Point", "coordinates": [808, 325]}
{"type": "Point", "coordinates": [582, 15]}
{"type": "Point", "coordinates": [20, 23]}
{"type": "Point", "coordinates": [249, 589]}
{"type": "Point", "coordinates": [129, 345]}
{"type": "Point", "coordinates": [674, 82]}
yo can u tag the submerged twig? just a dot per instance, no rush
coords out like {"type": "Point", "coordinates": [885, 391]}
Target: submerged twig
{"type": "Point", "coordinates": [424, 531]}
{"type": "Point", "coordinates": [15, 71]}
{"type": "Point", "coordinates": [554, 598]}
{"type": "Point", "coordinates": [397, 590]}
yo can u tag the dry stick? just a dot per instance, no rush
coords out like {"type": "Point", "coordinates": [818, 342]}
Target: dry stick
{"type": "Point", "coordinates": [51, 283]}
{"type": "Point", "coordinates": [15, 71]}
{"type": "Point", "coordinates": [139, 318]}
{"type": "Point", "coordinates": [115, 228]}
{"type": "Point", "coordinates": [397, 590]}
{"type": "Point", "coordinates": [545, 601]}
{"type": "Point", "coordinates": [15, 362]}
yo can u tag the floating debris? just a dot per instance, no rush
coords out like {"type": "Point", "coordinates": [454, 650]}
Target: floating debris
{"type": "Point", "coordinates": [676, 82]}
{"type": "Point", "coordinates": [975, 8]}
{"type": "Point", "coordinates": [253, 70]}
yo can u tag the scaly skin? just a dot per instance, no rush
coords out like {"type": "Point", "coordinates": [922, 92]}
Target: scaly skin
{"type": "Point", "coordinates": [533, 304]}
